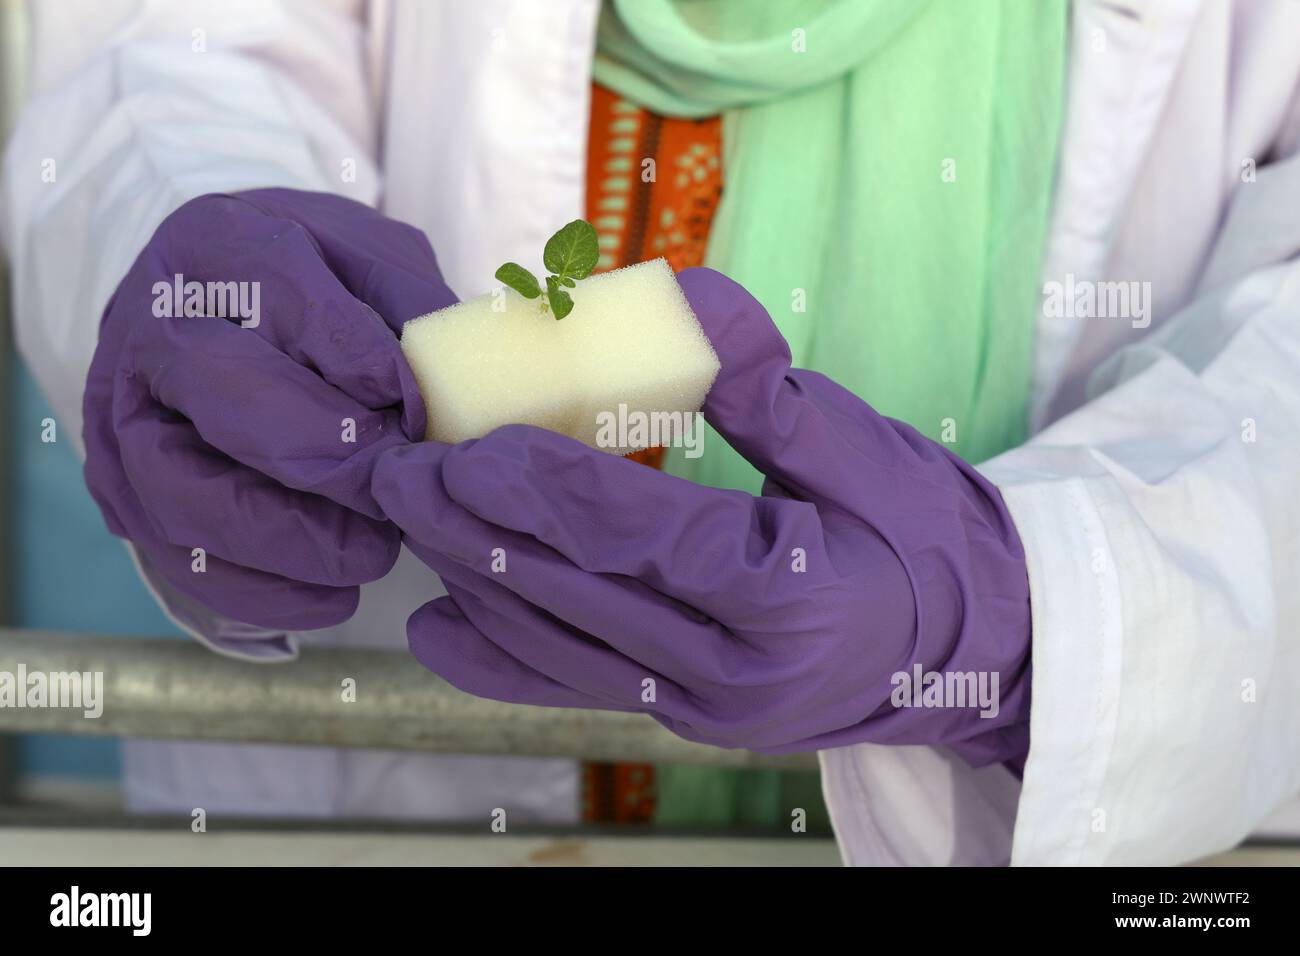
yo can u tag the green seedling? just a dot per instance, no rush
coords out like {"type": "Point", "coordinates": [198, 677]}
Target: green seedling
{"type": "Point", "coordinates": [570, 255]}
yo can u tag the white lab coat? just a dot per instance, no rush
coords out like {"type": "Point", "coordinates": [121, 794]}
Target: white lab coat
{"type": "Point", "coordinates": [1160, 516]}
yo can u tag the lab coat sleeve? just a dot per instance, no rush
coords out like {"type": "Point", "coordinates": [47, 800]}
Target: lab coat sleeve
{"type": "Point", "coordinates": [135, 108]}
{"type": "Point", "coordinates": [1161, 525]}
{"type": "Point", "coordinates": [160, 103]}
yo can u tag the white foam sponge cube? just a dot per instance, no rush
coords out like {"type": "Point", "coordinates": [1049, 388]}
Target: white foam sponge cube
{"type": "Point", "coordinates": [630, 341]}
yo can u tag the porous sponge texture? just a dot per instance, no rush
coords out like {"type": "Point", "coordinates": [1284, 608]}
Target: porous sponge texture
{"type": "Point", "coordinates": [630, 340]}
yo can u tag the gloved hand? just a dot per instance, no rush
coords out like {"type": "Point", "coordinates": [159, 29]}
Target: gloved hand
{"type": "Point", "coordinates": [775, 622]}
{"type": "Point", "coordinates": [202, 433]}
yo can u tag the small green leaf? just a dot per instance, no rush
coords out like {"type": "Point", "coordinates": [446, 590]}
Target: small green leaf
{"type": "Point", "coordinates": [519, 279]}
{"type": "Point", "coordinates": [573, 251]}
{"type": "Point", "coordinates": [567, 282]}
{"type": "Point", "coordinates": [561, 301]}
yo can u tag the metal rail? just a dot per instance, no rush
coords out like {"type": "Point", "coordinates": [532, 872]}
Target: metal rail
{"type": "Point", "coordinates": [174, 689]}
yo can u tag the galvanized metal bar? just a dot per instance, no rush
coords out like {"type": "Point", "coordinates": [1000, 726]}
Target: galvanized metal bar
{"type": "Point", "coordinates": [176, 689]}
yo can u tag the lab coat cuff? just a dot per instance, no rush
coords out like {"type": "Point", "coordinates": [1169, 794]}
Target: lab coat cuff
{"type": "Point", "coordinates": [229, 638]}
{"type": "Point", "coordinates": [1076, 657]}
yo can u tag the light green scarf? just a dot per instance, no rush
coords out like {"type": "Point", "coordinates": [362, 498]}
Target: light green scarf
{"type": "Point", "coordinates": [887, 181]}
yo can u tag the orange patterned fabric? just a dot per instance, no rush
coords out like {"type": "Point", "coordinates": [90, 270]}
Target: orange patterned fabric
{"type": "Point", "coordinates": [653, 185]}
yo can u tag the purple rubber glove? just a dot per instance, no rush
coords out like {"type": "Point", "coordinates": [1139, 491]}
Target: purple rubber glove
{"type": "Point", "coordinates": [203, 433]}
{"type": "Point", "coordinates": [616, 573]}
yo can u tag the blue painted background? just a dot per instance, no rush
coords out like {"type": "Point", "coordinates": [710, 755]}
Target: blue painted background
{"type": "Point", "coordinates": [68, 572]}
